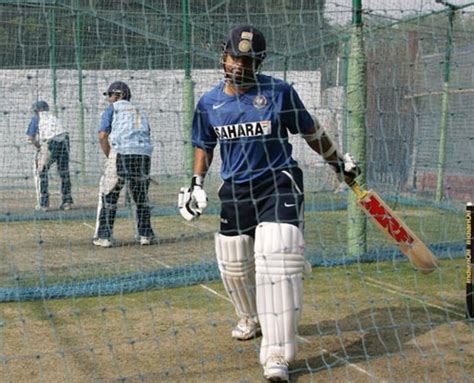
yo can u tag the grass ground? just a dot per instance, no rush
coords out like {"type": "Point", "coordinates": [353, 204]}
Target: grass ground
{"type": "Point", "coordinates": [360, 323]}
{"type": "Point", "coordinates": [380, 322]}
{"type": "Point", "coordinates": [58, 250]}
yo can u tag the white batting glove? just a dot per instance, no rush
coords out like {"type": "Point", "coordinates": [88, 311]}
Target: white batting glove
{"type": "Point", "coordinates": [347, 169]}
{"type": "Point", "coordinates": [192, 201]}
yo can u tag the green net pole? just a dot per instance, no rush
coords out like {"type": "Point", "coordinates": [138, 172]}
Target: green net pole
{"type": "Point", "coordinates": [188, 92]}
{"type": "Point", "coordinates": [356, 99]}
{"type": "Point", "coordinates": [345, 73]}
{"type": "Point", "coordinates": [443, 126]}
{"type": "Point", "coordinates": [52, 55]}
{"type": "Point", "coordinates": [357, 13]}
{"type": "Point", "coordinates": [82, 135]}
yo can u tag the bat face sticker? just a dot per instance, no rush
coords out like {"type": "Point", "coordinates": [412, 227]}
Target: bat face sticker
{"type": "Point", "coordinates": [392, 226]}
{"type": "Point", "coordinates": [387, 221]}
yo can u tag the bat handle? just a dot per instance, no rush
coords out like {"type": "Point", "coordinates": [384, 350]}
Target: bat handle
{"type": "Point", "coordinates": [359, 192]}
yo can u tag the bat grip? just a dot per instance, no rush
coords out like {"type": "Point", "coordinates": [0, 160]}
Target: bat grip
{"type": "Point", "coordinates": [359, 192]}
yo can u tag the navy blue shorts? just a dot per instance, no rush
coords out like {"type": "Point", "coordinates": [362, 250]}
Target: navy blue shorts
{"type": "Point", "coordinates": [276, 198]}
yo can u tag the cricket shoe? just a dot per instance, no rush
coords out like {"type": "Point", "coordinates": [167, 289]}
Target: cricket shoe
{"type": "Point", "coordinates": [246, 329]}
{"type": "Point", "coordinates": [66, 206]}
{"type": "Point", "coordinates": [102, 242]}
{"type": "Point", "coordinates": [146, 241]}
{"type": "Point", "coordinates": [276, 369]}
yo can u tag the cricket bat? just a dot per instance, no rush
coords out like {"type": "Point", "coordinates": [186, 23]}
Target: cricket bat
{"type": "Point", "coordinates": [386, 220]}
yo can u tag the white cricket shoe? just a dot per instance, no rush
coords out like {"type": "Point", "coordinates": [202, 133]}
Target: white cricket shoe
{"type": "Point", "coordinates": [66, 206]}
{"type": "Point", "coordinates": [146, 241]}
{"type": "Point", "coordinates": [276, 369]}
{"type": "Point", "coordinates": [102, 242]}
{"type": "Point", "coordinates": [246, 329]}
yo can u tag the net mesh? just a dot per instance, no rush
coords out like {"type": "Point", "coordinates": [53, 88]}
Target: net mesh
{"type": "Point", "coordinates": [68, 52]}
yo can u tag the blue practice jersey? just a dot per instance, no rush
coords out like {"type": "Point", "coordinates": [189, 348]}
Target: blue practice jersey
{"type": "Point", "coordinates": [32, 130]}
{"type": "Point", "coordinates": [128, 129]}
{"type": "Point", "coordinates": [252, 128]}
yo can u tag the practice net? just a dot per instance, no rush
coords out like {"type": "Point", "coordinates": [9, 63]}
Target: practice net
{"type": "Point", "coordinates": [68, 52]}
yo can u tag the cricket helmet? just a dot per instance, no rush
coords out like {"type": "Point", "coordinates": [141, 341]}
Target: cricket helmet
{"type": "Point", "coordinates": [120, 89]}
{"type": "Point", "coordinates": [40, 106]}
{"type": "Point", "coordinates": [245, 40]}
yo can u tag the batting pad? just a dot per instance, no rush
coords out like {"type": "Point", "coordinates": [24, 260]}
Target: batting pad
{"type": "Point", "coordinates": [43, 157]}
{"type": "Point", "coordinates": [279, 250]}
{"type": "Point", "coordinates": [237, 268]}
{"type": "Point", "coordinates": [107, 183]}
{"type": "Point", "coordinates": [109, 179]}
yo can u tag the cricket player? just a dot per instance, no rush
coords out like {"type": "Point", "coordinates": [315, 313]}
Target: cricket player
{"type": "Point", "coordinates": [51, 140]}
{"type": "Point", "coordinates": [124, 136]}
{"type": "Point", "coordinates": [260, 245]}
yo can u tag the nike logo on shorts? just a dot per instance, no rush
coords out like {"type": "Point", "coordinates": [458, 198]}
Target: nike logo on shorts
{"type": "Point", "coordinates": [217, 106]}
{"type": "Point", "coordinates": [289, 204]}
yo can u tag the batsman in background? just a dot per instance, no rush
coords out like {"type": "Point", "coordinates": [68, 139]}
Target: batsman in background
{"type": "Point", "coordinates": [48, 135]}
{"type": "Point", "coordinates": [124, 136]}
{"type": "Point", "coordinates": [260, 245]}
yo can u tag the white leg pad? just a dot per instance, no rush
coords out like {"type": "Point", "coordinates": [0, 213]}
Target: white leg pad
{"type": "Point", "coordinates": [279, 259]}
{"type": "Point", "coordinates": [43, 157]}
{"type": "Point", "coordinates": [109, 178]}
{"type": "Point", "coordinates": [237, 268]}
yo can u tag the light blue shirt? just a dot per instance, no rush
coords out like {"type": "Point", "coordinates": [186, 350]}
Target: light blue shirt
{"type": "Point", "coordinates": [128, 128]}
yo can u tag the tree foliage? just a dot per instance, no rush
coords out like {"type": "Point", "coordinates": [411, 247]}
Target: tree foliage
{"type": "Point", "coordinates": [149, 34]}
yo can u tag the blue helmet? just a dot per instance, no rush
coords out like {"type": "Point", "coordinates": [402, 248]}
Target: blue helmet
{"type": "Point", "coordinates": [40, 106]}
{"type": "Point", "coordinates": [246, 40]}
{"type": "Point", "coordinates": [120, 89]}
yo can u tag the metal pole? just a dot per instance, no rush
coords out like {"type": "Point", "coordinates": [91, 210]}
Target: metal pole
{"type": "Point", "coordinates": [188, 91]}
{"type": "Point", "coordinates": [82, 135]}
{"type": "Point", "coordinates": [345, 76]}
{"type": "Point", "coordinates": [357, 12]}
{"type": "Point", "coordinates": [356, 104]}
{"type": "Point", "coordinates": [444, 104]}
{"type": "Point", "coordinates": [52, 55]}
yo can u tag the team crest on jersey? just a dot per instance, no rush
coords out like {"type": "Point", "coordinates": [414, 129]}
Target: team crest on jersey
{"type": "Point", "coordinates": [245, 129]}
{"type": "Point", "coordinates": [260, 101]}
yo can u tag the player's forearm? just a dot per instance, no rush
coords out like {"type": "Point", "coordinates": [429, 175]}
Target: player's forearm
{"type": "Point", "coordinates": [104, 143]}
{"type": "Point", "coordinates": [32, 140]}
{"type": "Point", "coordinates": [202, 161]}
{"type": "Point", "coordinates": [324, 146]}
{"type": "Point", "coordinates": [344, 165]}
{"type": "Point", "coordinates": [105, 147]}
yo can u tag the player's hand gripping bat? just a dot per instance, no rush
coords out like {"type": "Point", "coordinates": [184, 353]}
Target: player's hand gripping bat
{"type": "Point", "coordinates": [385, 218]}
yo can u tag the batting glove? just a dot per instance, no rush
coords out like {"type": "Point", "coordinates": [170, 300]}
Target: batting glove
{"type": "Point", "coordinates": [193, 200]}
{"type": "Point", "coordinates": [347, 169]}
